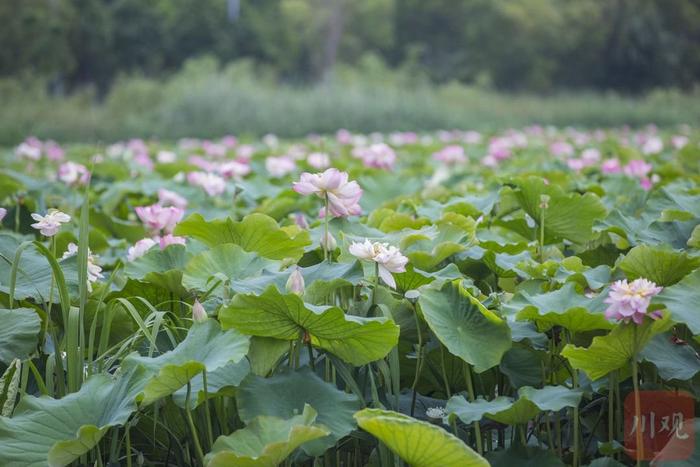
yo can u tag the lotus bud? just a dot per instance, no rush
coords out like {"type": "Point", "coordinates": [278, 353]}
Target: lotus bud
{"type": "Point", "coordinates": [328, 242]}
{"type": "Point", "coordinates": [544, 201]}
{"type": "Point", "coordinates": [199, 314]}
{"type": "Point", "coordinates": [295, 283]}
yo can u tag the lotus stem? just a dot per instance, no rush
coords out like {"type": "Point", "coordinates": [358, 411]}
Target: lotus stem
{"type": "Point", "coordinates": [637, 402]}
{"type": "Point", "coordinates": [193, 429]}
{"type": "Point", "coordinates": [472, 398]}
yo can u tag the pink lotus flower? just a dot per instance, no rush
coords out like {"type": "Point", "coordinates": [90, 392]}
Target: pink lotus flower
{"type": "Point", "coordinates": [233, 169]}
{"type": "Point", "coordinates": [630, 301]}
{"type": "Point", "coordinates": [245, 152]}
{"type": "Point", "coordinates": [170, 239]}
{"type": "Point", "coordinates": [499, 149]}
{"type": "Point", "coordinates": [72, 173]}
{"type": "Point", "coordinates": [653, 145]}
{"type": "Point", "coordinates": [561, 148]}
{"type": "Point", "coordinates": [295, 282]}
{"type": "Point", "coordinates": [343, 136]}
{"type": "Point", "coordinates": [637, 168]}
{"type": "Point", "coordinates": [452, 154]}
{"type": "Point", "coordinates": [576, 164]}
{"type": "Point", "coordinates": [170, 198]}
{"type": "Point", "coordinates": [30, 149]}
{"type": "Point", "coordinates": [199, 314]}
{"type": "Point", "coordinates": [229, 141]}
{"type": "Point", "coordinates": [590, 155]}
{"type": "Point", "coordinates": [489, 161]}
{"type": "Point", "coordinates": [202, 163]}
{"type": "Point", "coordinates": [139, 249]}
{"type": "Point", "coordinates": [143, 160]}
{"type": "Point", "coordinates": [300, 221]}
{"type": "Point", "coordinates": [157, 217]}
{"type": "Point", "coordinates": [679, 141]}
{"type": "Point", "coordinates": [343, 196]}
{"type": "Point", "coordinates": [211, 183]}
{"type": "Point", "coordinates": [3, 213]}
{"type": "Point", "coordinates": [611, 166]}
{"type": "Point", "coordinates": [388, 258]}
{"type": "Point", "coordinates": [53, 151]}
{"type": "Point", "coordinates": [378, 155]}
{"type": "Point", "coordinates": [318, 160]}
{"type": "Point", "coordinates": [50, 224]}
{"type": "Point", "coordinates": [278, 167]}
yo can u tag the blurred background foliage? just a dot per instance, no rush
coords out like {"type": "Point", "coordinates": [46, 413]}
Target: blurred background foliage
{"type": "Point", "coordinates": [108, 67]}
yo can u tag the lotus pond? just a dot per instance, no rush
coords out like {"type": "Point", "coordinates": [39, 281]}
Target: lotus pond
{"type": "Point", "coordinates": [527, 297]}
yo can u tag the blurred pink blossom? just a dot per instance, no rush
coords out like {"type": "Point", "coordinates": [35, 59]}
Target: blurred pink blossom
{"type": "Point", "coordinates": [212, 184]}
{"type": "Point", "coordinates": [278, 167]}
{"type": "Point", "coordinates": [318, 160]}
{"type": "Point", "coordinates": [378, 155]}
{"type": "Point", "coordinates": [452, 154]}
{"type": "Point", "coordinates": [233, 169]}
{"type": "Point", "coordinates": [611, 166]}
{"type": "Point", "coordinates": [170, 198]}
{"type": "Point", "coordinates": [157, 217]}
{"type": "Point", "coordinates": [72, 173]}
{"type": "Point", "coordinates": [561, 148]}
{"type": "Point", "coordinates": [637, 168]}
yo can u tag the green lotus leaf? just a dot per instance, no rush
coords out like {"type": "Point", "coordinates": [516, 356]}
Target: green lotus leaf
{"type": "Point", "coordinates": [428, 247]}
{"type": "Point", "coordinates": [18, 334]}
{"type": "Point", "coordinates": [522, 456]}
{"type": "Point", "coordinates": [162, 268]}
{"type": "Point", "coordinates": [206, 347]}
{"type": "Point", "coordinates": [414, 278]}
{"type": "Point", "coordinates": [529, 404]}
{"type": "Point", "coordinates": [681, 301]}
{"type": "Point", "coordinates": [419, 443]}
{"type": "Point", "coordinates": [228, 376]}
{"type": "Point", "coordinates": [614, 350]}
{"type": "Point", "coordinates": [285, 395]}
{"type": "Point", "coordinates": [523, 366]}
{"type": "Point", "coordinates": [563, 307]}
{"type": "Point", "coordinates": [34, 274]}
{"type": "Point", "coordinates": [266, 441]}
{"type": "Point", "coordinates": [464, 326]}
{"type": "Point", "coordinates": [130, 231]}
{"type": "Point", "coordinates": [324, 280]}
{"type": "Point", "coordinates": [9, 185]}
{"type": "Point", "coordinates": [661, 265]}
{"type": "Point", "coordinates": [9, 387]}
{"type": "Point", "coordinates": [226, 260]}
{"type": "Point", "coordinates": [388, 220]}
{"type": "Point", "coordinates": [265, 353]}
{"type": "Point", "coordinates": [570, 216]}
{"type": "Point", "coordinates": [272, 314]}
{"type": "Point", "coordinates": [256, 232]}
{"type": "Point", "coordinates": [674, 361]}
{"type": "Point", "coordinates": [55, 432]}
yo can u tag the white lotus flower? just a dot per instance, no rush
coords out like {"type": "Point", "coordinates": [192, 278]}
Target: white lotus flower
{"type": "Point", "coordinates": [388, 258]}
{"type": "Point", "coordinates": [94, 271]}
{"type": "Point", "coordinates": [50, 224]}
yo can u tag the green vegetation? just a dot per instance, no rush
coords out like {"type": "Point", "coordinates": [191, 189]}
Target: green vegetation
{"type": "Point", "coordinates": [208, 100]}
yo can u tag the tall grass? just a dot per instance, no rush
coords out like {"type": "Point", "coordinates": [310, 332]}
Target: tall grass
{"type": "Point", "coordinates": [206, 100]}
